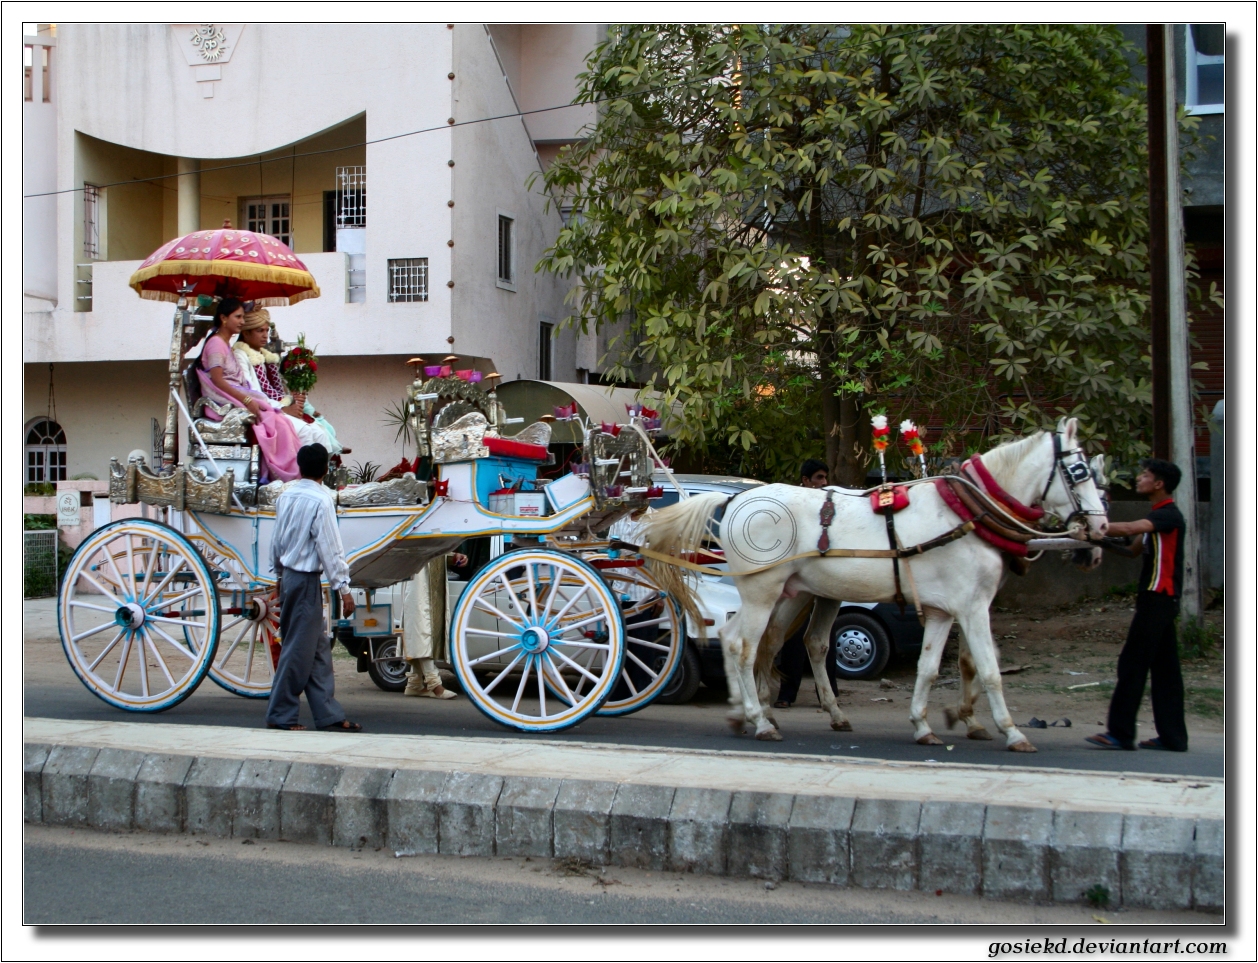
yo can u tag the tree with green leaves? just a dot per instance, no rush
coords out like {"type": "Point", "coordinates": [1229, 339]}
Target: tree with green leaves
{"type": "Point", "coordinates": [807, 224]}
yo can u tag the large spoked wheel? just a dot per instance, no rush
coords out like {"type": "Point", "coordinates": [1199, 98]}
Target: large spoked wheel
{"type": "Point", "coordinates": [138, 615]}
{"type": "Point", "coordinates": [653, 644]}
{"type": "Point", "coordinates": [526, 629]}
{"type": "Point", "coordinates": [249, 645]}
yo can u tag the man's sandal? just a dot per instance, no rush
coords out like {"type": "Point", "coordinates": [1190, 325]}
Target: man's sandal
{"type": "Point", "coordinates": [1104, 740]}
{"type": "Point", "coordinates": [1157, 743]}
{"type": "Point", "coordinates": [343, 726]}
{"type": "Point", "coordinates": [295, 727]}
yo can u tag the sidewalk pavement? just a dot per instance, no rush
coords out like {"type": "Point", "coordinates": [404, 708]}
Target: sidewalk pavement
{"type": "Point", "coordinates": [1005, 832]}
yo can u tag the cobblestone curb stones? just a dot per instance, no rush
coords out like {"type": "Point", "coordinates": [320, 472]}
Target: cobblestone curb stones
{"type": "Point", "coordinates": [34, 755]}
{"type": "Point", "coordinates": [63, 785]}
{"type": "Point", "coordinates": [582, 820]}
{"type": "Point", "coordinates": [950, 839]}
{"type": "Point", "coordinates": [361, 808]}
{"type": "Point", "coordinates": [1208, 876]}
{"type": "Point", "coordinates": [698, 831]}
{"type": "Point", "coordinates": [524, 816]}
{"type": "Point", "coordinates": [884, 843]}
{"type": "Point", "coordinates": [412, 809]}
{"type": "Point", "coordinates": [257, 790]}
{"type": "Point", "coordinates": [1016, 844]}
{"type": "Point", "coordinates": [639, 826]}
{"type": "Point", "coordinates": [818, 842]}
{"type": "Point", "coordinates": [111, 789]}
{"type": "Point", "coordinates": [306, 807]}
{"type": "Point", "coordinates": [1154, 870]}
{"type": "Point", "coordinates": [210, 796]}
{"type": "Point", "coordinates": [1085, 852]}
{"type": "Point", "coordinates": [467, 814]}
{"type": "Point", "coordinates": [160, 803]}
{"type": "Point", "coordinates": [757, 834]}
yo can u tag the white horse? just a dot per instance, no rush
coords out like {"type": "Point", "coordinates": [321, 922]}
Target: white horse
{"type": "Point", "coordinates": [787, 613]}
{"type": "Point", "coordinates": [770, 535]}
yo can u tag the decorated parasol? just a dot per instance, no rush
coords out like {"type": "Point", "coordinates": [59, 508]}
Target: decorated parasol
{"type": "Point", "coordinates": [225, 263]}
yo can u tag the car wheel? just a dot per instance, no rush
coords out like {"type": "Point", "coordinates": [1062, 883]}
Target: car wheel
{"type": "Point", "coordinates": [685, 682]}
{"type": "Point", "coordinates": [389, 675]}
{"type": "Point", "coordinates": [861, 646]}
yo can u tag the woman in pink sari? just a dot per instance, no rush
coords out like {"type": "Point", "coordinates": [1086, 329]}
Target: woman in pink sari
{"type": "Point", "coordinates": [223, 382]}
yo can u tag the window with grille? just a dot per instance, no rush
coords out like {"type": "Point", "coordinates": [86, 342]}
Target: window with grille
{"type": "Point", "coordinates": [1203, 76]}
{"type": "Point", "coordinates": [544, 352]}
{"type": "Point", "coordinates": [45, 452]}
{"type": "Point", "coordinates": [408, 279]}
{"type": "Point", "coordinates": [269, 215]}
{"type": "Point", "coordinates": [351, 196]}
{"type": "Point", "coordinates": [506, 249]}
{"type": "Point", "coordinates": [91, 221]}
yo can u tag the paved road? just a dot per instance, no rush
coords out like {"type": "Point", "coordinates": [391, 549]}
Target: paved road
{"type": "Point", "coordinates": [880, 732]}
{"type": "Point", "coordinates": [87, 877]}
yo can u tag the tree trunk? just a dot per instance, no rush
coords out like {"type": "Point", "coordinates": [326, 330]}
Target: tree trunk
{"type": "Point", "coordinates": [845, 433]}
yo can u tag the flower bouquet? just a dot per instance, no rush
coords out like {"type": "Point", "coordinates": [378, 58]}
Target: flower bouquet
{"type": "Point", "coordinates": [300, 367]}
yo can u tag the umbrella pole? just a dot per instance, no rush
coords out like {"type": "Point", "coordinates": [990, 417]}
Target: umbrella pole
{"type": "Point", "coordinates": [170, 440]}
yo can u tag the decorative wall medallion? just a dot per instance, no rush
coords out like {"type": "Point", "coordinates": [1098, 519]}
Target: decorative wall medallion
{"type": "Point", "coordinates": [210, 40]}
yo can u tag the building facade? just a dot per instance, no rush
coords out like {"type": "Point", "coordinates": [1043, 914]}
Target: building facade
{"type": "Point", "coordinates": [371, 149]}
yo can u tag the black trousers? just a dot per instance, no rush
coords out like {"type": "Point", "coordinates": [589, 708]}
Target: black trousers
{"type": "Point", "coordinates": [305, 655]}
{"type": "Point", "coordinates": [1152, 649]}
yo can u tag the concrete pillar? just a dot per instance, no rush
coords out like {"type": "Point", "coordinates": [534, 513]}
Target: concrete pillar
{"type": "Point", "coordinates": [189, 195]}
{"type": "Point", "coordinates": [1218, 503]}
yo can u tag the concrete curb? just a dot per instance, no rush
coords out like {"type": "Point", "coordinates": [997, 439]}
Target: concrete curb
{"type": "Point", "coordinates": [1007, 852]}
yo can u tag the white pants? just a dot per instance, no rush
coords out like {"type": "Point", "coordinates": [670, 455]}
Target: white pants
{"type": "Point", "coordinates": [424, 620]}
{"type": "Point", "coordinates": [309, 433]}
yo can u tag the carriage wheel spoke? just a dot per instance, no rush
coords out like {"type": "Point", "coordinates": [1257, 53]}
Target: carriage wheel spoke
{"type": "Point", "coordinates": [235, 643]}
{"type": "Point", "coordinates": [162, 662]}
{"type": "Point", "coordinates": [555, 582]}
{"type": "Point", "coordinates": [174, 570]}
{"type": "Point", "coordinates": [492, 634]}
{"type": "Point", "coordinates": [624, 674]}
{"type": "Point", "coordinates": [492, 655]}
{"type": "Point", "coordinates": [541, 686]}
{"type": "Point", "coordinates": [582, 645]}
{"type": "Point", "coordinates": [485, 606]}
{"type": "Point", "coordinates": [186, 653]}
{"type": "Point", "coordinates": [106, 650]}
{"type": "Point", "coordinates": [648, 623]}
{"type": "Point", "coordinates": [89, 605]}
{"type": "Point", "coordinates": [103, 591]}
{"type": "Point", "coordinates": [253, 643]}
{"type": "Point", "coordinates": [585, 588]}
{"type": "Point", "coordinates": [596, 617]}
{"type": "Point", "coordinates": [122, 583]}
{"type": "Point", "coordinates": [645, 668]}
{"type": "Point", "coordinates": [170, 621]}
{"type": "Point", "coordinates": [506, 583]}
{"type": "Point", "coordinates": [135, 582]}
{"type": "Point", "coordinates": [142, 658]}
{"type": "Point", "coordinates": [191, 593]}
{"type": "Point", "coordinates": [650, 645]}
{"type": "Point", "coordinates": [122, 662]}
{"type": "Point", "coordinates": [530, 572]}
{"type": "Point", "coordinates": [502, 675]}
{"type": "Point", "coordinates": [576, 665]}
{"type": "Point", "coordinates": [558, 677]}
{"type": "Point", "coordinates": [100, 628]}
{"type": "Point", "coordinates": [524, 678]}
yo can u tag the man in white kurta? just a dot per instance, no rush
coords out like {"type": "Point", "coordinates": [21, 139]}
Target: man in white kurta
{"type": "Point", "coordinates": [424, 630]}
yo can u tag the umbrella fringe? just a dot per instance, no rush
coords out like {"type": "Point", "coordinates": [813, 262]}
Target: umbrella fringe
{"type": "Point", "coordinates": [273, 274]}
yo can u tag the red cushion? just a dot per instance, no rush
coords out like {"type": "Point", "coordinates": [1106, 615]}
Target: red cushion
{"type": "Point", "coordinates": [516, 449]}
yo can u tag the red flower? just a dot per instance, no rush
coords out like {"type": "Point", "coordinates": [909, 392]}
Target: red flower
{"type": "Point", "coordinates": [314, 366]}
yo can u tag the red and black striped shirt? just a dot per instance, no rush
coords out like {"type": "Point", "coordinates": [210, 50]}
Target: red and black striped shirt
{"type": "Point", "coordinates": [1163, 562]}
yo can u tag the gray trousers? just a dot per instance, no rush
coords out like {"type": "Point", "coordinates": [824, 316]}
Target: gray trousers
{"type": "Point", "coordinates": [305, 655]}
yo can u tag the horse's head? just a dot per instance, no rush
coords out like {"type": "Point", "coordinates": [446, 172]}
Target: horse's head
{"type": "Point", "coordinates": [1071, 491]}
{"type": "Point", "coordinates": [1090, 558]}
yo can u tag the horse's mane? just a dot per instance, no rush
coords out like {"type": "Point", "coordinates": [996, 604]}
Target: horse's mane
{"type": "Point", "coordinates": [1006, 457]}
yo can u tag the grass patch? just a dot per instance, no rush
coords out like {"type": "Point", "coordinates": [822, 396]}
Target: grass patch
{"type": "Point", "coordinates": [1198, 640]}
{"type": "Point", "coordinates": [1205, 701]}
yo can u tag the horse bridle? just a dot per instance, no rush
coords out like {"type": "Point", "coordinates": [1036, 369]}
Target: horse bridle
{"type": "Point", "coordinates": [1073, 474]}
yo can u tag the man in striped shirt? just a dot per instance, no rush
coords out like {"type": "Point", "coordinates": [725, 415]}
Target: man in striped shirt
{"type": "Point", "coordinates": [305, 543]}
{"type": "Point", "coordinates": [1152, 648]}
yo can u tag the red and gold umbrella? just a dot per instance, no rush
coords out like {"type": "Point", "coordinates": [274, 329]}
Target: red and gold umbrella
{"type": "Point", "coordinates": [225, 263]}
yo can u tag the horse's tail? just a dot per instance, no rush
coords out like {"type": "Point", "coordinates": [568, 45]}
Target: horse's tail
{"type": "Point", "coordinates": [681, 530]}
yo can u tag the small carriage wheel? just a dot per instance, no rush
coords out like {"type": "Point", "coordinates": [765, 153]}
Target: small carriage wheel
{"type": "Point", "coordinates": [249, 641]}
{"type": "Point", "coordinates": [653, 644]}
{"type": "Point", "coordinates": [525, 629]}
{"type": "Point", "coordinates": [138, 615]}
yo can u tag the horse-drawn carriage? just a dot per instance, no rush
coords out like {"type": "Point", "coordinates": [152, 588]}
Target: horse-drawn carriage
{"type": "Point", "coordinates": [560, 627]}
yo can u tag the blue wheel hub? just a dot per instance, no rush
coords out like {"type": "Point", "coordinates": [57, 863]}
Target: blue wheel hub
{"type": "Point", "coordinates": [534, 639]}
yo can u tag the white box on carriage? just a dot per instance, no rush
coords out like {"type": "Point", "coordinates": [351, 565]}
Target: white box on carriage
{"type": "Point", "coordinates": [566, 491]}
{"type": "Point", "coordinates": [529, 504]}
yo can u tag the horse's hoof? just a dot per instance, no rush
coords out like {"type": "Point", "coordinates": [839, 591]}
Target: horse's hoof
{"type": "Point", "coordinates": [1023, 746]}
{"type": "Point", "coordinates": [951, 717]}
{"type": "Point", "coordinates": [930, 739]}
{"type": "Point", "coordinates": [769, 735]}
{"type": "Point", "coordinates": [844, 726]}
{"type": "Point", "coordinates": [979, 733]}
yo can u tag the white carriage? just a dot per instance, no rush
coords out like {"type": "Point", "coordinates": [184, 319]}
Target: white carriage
{"type": "Point", "coordinates": [558, 628]}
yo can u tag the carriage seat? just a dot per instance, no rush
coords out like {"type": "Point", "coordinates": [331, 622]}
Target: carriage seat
{"type": "Point", "coordinates": [470, 437]}
{"type": "Point", "coordinates": [231, 427]}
